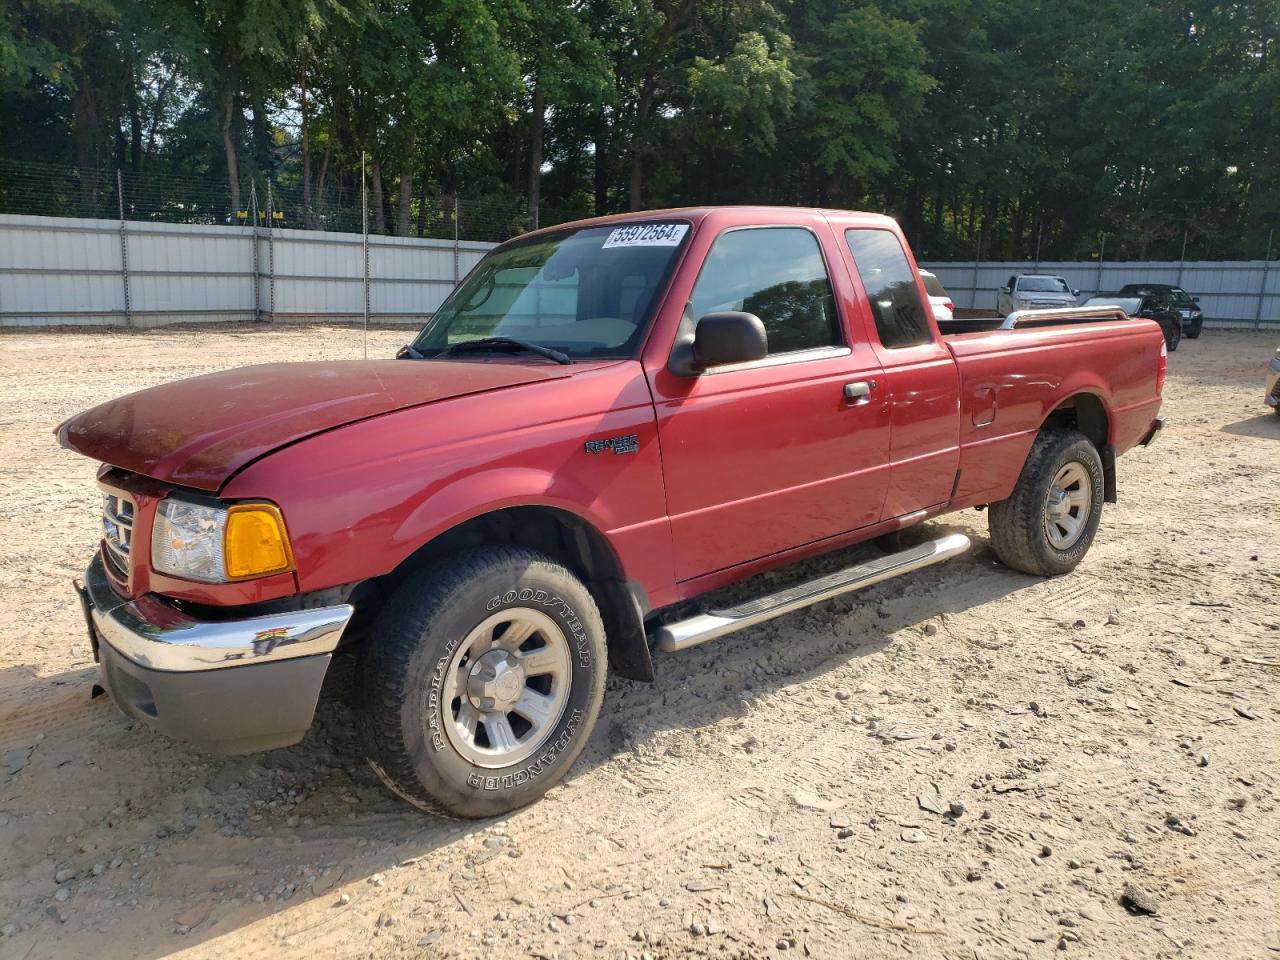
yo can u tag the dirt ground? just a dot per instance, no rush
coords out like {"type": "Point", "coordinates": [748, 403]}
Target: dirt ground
{"type": "Point", "coordinates": [967, 762]}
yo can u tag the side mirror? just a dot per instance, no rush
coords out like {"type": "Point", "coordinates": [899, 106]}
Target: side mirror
{"type": "Point", "coordinates": [1006, 289]}
{"type": "Point", "coordinates": [729, 337]}
{"type": "Point", "coordinates": [1075, 293]}
{"type": "Point", "coordinates": [1195, 299]}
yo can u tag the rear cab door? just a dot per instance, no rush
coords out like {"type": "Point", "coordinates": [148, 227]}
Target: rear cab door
{"type": "Point", "coordinates": [920, 382]}
{"type": "Point", "coordinates": [762, 457]}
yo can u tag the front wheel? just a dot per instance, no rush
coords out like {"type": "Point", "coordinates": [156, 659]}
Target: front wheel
{"type": "Point", "coordinates": [1047, 524]}
{"type": "Point", "coordinates": [1173, 336]}
{"type": "Point", "coordinates": [481, 682]}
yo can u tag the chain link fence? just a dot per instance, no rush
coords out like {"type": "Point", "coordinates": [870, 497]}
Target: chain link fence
{"type": "Point", "coordinates": [51, 190]}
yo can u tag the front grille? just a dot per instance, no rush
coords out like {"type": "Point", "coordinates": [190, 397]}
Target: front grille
{"type": "Point", "coordinates": [117, 532]}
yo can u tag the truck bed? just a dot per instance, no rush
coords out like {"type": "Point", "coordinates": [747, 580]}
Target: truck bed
{"type": "Point", "coordinates": [1011, 379]}
{"type": "Point", "coordinates": [1029, 319]}
{"type": "Point", "coordinates": [952, 328]}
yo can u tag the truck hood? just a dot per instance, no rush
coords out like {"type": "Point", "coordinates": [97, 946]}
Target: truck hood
{"type": "Point", "coordinates": [198, 432]}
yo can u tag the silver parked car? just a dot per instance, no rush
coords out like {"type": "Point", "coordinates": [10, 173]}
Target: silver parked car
{"type": "Point", "coordinates": [1034, 291]}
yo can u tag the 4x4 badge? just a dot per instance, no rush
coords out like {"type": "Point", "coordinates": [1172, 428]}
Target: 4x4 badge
{"type": "Point", "coordinates": [630, 443]}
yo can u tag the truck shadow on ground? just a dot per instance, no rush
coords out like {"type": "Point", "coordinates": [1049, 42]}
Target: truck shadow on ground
{"type": "Point", "coordinates": [163, 848]}
{"type": "Point", "coordinates": [1265, 426]}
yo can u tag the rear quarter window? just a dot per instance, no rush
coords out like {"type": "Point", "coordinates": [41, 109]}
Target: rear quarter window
{"type": "Point", "coordinates": [891, 287]}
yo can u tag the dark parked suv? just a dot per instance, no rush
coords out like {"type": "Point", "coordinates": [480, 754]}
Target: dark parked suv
{"type": "Point", "coordinates": [1188, 307]}
{"type": "Point", "coordinates": [1151, 306]}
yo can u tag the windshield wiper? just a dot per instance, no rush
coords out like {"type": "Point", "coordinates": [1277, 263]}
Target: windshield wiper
{"type": "Point", "coordinates": [510, 344]}
{"type": "Point", "coordinates": [411, 352]}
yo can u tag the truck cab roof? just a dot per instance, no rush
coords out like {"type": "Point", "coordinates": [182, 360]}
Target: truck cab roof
{"type": "Point", "coordinates": [728, 214]}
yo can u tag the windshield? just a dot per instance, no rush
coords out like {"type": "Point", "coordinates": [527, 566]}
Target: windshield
{"type": "Point", "coordinates": [1043, 285]}
{"type": "Point", "coordinates": [586, 293]}
{"type": "Point", "coordinates": [1129, 305]}
{"type": "Point", "coordinates": [1175, 294]}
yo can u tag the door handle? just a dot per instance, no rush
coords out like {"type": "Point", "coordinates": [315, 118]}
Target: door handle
{"type": "Point", "coordinates": [859, 389]}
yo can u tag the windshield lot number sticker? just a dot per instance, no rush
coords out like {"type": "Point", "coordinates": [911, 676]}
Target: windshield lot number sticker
{"type": "Point", "coordinates": [647, 235]}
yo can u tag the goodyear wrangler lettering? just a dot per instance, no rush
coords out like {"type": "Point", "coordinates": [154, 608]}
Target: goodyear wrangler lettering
{"type": "Point", "coordinates": [506, 781]}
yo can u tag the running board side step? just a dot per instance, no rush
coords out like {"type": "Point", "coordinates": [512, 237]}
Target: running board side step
{"type": "Point", "coordinates": [716, 623]}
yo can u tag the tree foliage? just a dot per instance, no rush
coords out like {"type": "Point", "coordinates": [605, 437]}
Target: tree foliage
{"type": "Point", "coordinates": [996, 126]}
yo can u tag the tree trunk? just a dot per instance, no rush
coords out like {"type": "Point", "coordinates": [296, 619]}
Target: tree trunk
{"type": "Point", "coordinates": [229, 151]}
{"type": "Point", "coordinates": [379, 215]}
{"type": "Point", "coordinates": [135, 116]}
{"type": "Point", "coordinates": [600, 165]}
{"type": "Point", "coordinates": [937, 214]}
{"type": "Point", "coordinates": [324, 180]}
{"type": "Point", "coordinates": [307, 208]}
{"type": "Point", "coordinates": [158, 111]}
{"type": "Point", "coordinates": [422, 207]}
{"type": "Point", "coordinates": [261, 137]}
{"type": "Point", "coordinates": [635, 183]}
{"type": "Point", "coordinates": [537, 123]}
{"type": "Point", "coordinates": [403, 224]}
{"type": "Point", "coordinates": [84, 123]}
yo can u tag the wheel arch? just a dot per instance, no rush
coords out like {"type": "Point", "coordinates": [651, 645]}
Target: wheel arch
{"type": "Point", "coordinates": [568, 538]}
{"type": "Point", "coordinates": [1086, 411]}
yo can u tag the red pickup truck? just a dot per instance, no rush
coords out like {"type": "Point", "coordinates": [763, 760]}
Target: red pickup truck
{"type": "Point", "coordinates": [604, 418]}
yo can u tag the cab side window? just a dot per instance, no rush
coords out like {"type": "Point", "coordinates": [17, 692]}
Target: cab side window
{"type": "Point", "coordinates": [891, 287]}
{"type": "Point", "coordinates": [778, 274]}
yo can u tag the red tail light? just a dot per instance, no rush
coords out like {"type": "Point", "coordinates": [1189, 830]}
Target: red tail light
{"type": "Point", "coordinates": [950, 305]}
{"type": "Point", "coordinates": [1162, 367]}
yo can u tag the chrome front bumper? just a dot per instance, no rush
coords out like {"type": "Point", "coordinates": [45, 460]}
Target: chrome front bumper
{"type": "Point", "coordinates": [236, 686]}
{"type": "Point", "coordinates": [158, 636]}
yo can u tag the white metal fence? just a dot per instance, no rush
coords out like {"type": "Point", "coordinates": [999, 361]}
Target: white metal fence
{"type": "Point", "coordinates": [1234, 294]}
{"type": "Point", "coordinates": [73, 271]}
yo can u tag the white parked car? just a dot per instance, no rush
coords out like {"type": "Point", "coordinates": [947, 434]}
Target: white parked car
{"type": "Point", "coordinates": [939, 299]}
{"type": "Point", "coordinates": [1034, 291]}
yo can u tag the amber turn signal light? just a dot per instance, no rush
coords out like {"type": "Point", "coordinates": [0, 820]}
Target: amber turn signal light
{"type": "Point", "coordinates": [255, 542]}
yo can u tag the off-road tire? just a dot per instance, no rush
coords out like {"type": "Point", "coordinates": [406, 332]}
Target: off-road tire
{"type": "Point", "coordinates": [400, 676]}
{"type": "Point", "coordinates": [1017, 524]}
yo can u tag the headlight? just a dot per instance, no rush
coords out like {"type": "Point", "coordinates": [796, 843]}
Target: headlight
{"type": "Point", "coordinates": [217, 544]}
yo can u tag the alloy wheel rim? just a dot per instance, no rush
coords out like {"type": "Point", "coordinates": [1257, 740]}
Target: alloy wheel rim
{"type": "Point", "coordinates": [1067, 506]}
{"type": "Point", "coordinates": [506, 687]}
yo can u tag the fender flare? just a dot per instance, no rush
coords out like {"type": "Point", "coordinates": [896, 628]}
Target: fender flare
{"type": "Point", "coordinates": [623, 602]}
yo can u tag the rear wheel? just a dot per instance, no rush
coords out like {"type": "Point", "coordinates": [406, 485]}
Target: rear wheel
{"type": "Point", "coordinates": [1047, 524]}
{"type": "Point", "coordinates": [482, 681]}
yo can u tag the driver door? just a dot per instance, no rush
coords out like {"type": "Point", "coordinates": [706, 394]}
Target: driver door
{"type": "Point", "coordinates": [765, 456]}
